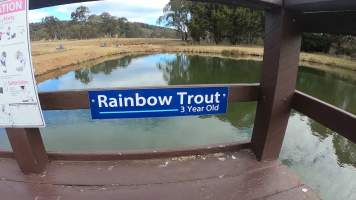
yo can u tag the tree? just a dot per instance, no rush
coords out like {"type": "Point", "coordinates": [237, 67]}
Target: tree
{"type": "Point", "coordinates": [38, 32]}
{"type": "Point", "coordinates": [134, 30]}
{"type": "Point", "coordinates": [123, 26]}
{"type": "Point", "coordinates": [109, 24]}
{"type": "Point", "coordinates": [315, 42]}
{"type": "Point", "coordinates": [213, 21]}
{"type": "Point", "coordinates": [53, 27]}
{"type": "Point", "coordinates": [246, 25]}
{"type": "Point", "coordinates": [218, 16]}
{"type": "Point", "coordinates": [83, 26]}
{"type": "Point", "coordinates": [176, 14]}
{"type": "Point", "coordinates": [198, 24]}
{"type": "Point", "coordinates": [81, 14]}
{"type": "Point", "coordinates": [80, 17]}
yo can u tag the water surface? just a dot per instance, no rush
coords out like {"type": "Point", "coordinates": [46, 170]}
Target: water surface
{"type": "Point", "coordinates": [316, 153]}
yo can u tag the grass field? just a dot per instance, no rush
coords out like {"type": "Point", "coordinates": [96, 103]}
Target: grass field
{"type": "Point", "coordinates": [47, 58]}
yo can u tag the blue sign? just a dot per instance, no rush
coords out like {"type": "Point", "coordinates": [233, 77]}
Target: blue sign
{"type": "Point", "coordinates": [168, 102]}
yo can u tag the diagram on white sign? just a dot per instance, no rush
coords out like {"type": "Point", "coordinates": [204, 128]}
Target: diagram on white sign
{"type": "Point", "coordinates": [19, 102]}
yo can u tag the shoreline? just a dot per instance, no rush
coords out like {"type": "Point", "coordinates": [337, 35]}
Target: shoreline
{"type": "Point", "coordinates": [50, 62]}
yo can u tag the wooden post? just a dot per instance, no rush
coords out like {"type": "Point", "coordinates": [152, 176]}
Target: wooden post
{"type": "Point", "coordinates": [28, 148]}
{"type": "Point", "coordinates": [279, 74]}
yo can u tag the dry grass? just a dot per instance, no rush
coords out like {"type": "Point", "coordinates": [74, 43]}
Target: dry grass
{"type": "Point", "coordinates": [47, 58]}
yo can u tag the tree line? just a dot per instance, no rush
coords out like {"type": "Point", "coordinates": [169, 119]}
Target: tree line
{"type": "Point", "coordinates": [196, 21]}
{"type": "Point", "coordinates": [84, 25]}
{"type": "Point", "coordinates": [217, 23]}
{"type": "Point", "coordinates": [213, 22]}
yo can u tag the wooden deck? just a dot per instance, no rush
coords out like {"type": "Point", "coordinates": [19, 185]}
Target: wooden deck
{"type": "Point", "coordinates": [218, 176]}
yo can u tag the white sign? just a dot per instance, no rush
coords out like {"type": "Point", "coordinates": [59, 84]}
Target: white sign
{"type": "Point", "coordinates": [19, 102]}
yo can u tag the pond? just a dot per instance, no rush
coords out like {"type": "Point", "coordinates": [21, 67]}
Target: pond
{"type": "Point", "coordinates": [315, 153]}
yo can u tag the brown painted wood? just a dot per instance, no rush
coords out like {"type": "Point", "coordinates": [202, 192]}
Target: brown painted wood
{"type": "Point", "coordinates": [244, 92]}
{"type": "Point", "coordinates": [70, 100]}
{"type": "Point", "coordinates": [263, 4]}
{"type": "Point", "coordinates": [65, 100]}
{"type": "Point", "coordinates": [36, 4]}
{"type": "Point", "coordinates": [130, 172]}
{"type": "Point", "coordinates": [6, 154]}
{"type": "Point", "coordinates": [297, 5]}
{"type": "Point", "coordinates": [338, 120]}
{"type": "Point", "coordinates": [149, 154]}
{"type": "Point", "coordinates": [329, 22]}
{"type": "Point", "coordinates": [320, 5]}
{"type": "Point", "coordinates": [210, 177]}
{"type": "Point", "coordinates": [257, 4]}
{"type": "Point", "coordinates": [28, 149]}
{"type": "Point", "coordinates": [279, 74]}
{"type": "Point", "coordinates": [142, 154]}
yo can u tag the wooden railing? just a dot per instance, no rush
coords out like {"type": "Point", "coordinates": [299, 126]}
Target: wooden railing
{"type": "Point", "coordinates": [30, 153]}
{"type": "Point", "coordinates": [69, 100]}
{"type": "Point", "coordinates": [338, 120]}
{"type": "Point", "coordinates": [275, 94]}
{"type": "Point", "coordinates": [32, 156]}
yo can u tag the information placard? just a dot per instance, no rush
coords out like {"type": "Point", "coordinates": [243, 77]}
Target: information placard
{"type": "Point", "coordinates": [142, 103]}
{"type": "Point", "coordinates": [19, 102]}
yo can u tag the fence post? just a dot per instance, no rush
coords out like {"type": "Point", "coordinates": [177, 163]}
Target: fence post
{"type": "Point", "coordinates": [28, 149]}
{"type": "Point", "coordinates": [279, 74]}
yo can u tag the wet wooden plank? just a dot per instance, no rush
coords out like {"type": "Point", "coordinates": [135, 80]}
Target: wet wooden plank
{"type": "Point", "coordinates": [247, 186]}
{"type": "Point", "coordinates": [151, 154]}
{"type": "Point", "coordinates": [218, 176]}
{"type": "Point", "coordinates": [302, 192]}
{"type": "Point", "coordinates": [70, 100]}
{"type": "Point", "coordinates": [143, 154]}
{"type": "Point", "coordinates": [140, 171]}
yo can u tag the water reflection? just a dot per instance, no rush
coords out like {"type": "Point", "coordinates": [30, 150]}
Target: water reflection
{"type": "Point", "coordinates": [178, 69]}
{"type": "Point", "coordinates": [193, 69]}
{"type": "Point", "coordinates": [317, 161]}
{"type": "Point", "coordinates": [86, 75]}
{"type": "Point", "coordinates": [329, 88]}
{"type": "Point", "coordinates": [312, 150]}
{"type": "Point", "coordinates": [162, 69]}
{"type": "Point", "coordinates": [344, 149]}
{"type": "Point", "coordinates": [336, 91]}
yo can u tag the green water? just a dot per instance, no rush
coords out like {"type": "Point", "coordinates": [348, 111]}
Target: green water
{"type": "Point", "coordinates": [322, 158]}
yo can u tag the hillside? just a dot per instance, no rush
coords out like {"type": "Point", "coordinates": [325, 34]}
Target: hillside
{"type": "Point", "coordinates": [95, 29]}
{"type": "Point", "coordinates": [142, 30]}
